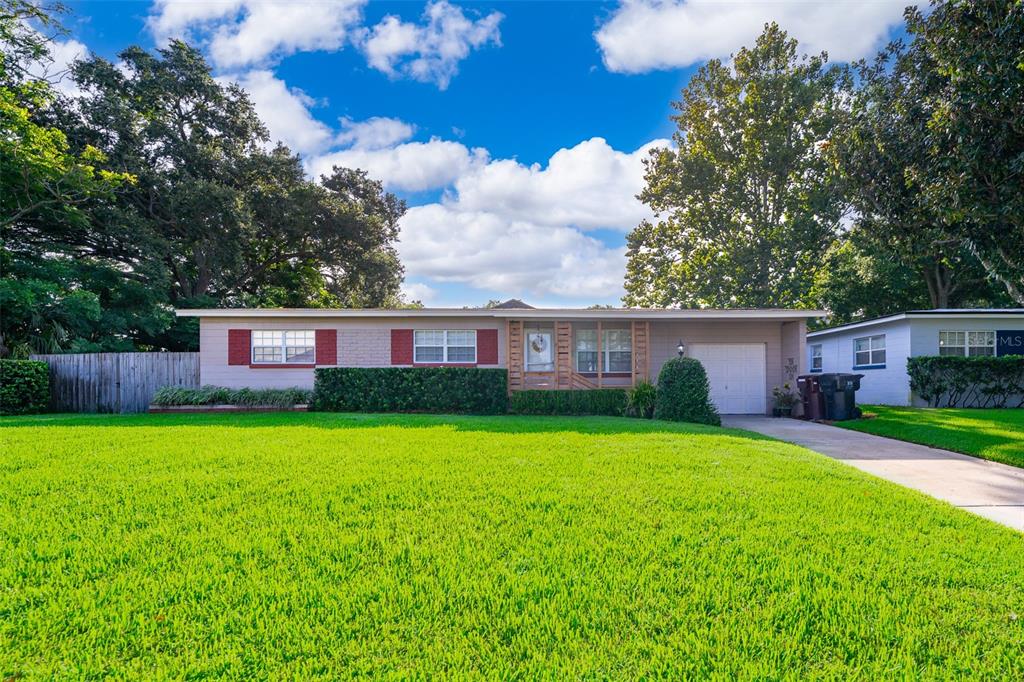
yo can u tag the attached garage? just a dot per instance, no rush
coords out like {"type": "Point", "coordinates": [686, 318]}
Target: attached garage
{"type": "Point", "coordinates": [736, 372]}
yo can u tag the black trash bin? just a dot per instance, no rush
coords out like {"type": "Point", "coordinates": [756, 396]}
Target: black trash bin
{"type": "Point", "coordinates": [828, 382]}
{"type": "Point", "coordinates": [839, 393]}
{"type": "Point", "coordinates": [845, 397]}
{"type": "Point", "coordinates": [811, 396]}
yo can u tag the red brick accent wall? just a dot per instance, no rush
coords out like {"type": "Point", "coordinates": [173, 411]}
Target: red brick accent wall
{"type": "Point", "coordinates": [487, 346]}
{"type": "Point", "coordinates": [326, 346]}
{"type": "Point", "coordinates": [239, 346]}
{"type": "Point", "coordinates": [401, 346]}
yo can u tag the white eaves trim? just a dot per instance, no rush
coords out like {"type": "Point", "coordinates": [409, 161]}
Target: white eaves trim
{"type": "Point", "coordinates": [938, 314]}
{"type": "Point", "coordinates": [516, 313]}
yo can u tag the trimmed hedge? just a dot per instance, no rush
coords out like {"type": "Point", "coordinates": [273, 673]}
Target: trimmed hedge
{"type": "Point", "coordinates": [952, 381]}
{"type": "Point", "coordinates": [24, 386]}
{"type": "Point", "coordinates": [684, 393]}
{"type": "Point", "coordinates": [177, 396]}
{"type": "Point", "coordinates": [458, 390]}
{"type": "Point", "coordinates": [602, 401]}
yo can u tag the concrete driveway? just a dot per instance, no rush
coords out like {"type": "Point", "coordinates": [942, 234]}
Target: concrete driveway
{"type": "Point", "coordinates": [990, 489]}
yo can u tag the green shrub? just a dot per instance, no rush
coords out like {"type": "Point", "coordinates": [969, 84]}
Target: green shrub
{"type": "Point", "coordinates": [178, 396]}
{"type": "Point", "coordinates": [453, 390]}
{"type": "Point", "coordinates": [602, 401]}
{"type": "Point", "coordinates": [952, 381]}
{"type": "Point", "coordinates": [24, 386]}
{"type": "Point", "coordinates": [640, 400]}
{"type": "Point", "coordinates": [684, 393]}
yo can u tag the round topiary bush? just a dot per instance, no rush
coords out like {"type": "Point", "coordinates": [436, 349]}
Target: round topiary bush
{"type": "Point", "coordinates": [683, 393]}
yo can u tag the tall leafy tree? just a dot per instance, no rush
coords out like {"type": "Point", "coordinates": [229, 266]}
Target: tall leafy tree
{"type": "Point", "coordinates": [748, 201]}
{"type": "Point", "coordinates": [230, 221]}
{"type": "Point", "coordinates": [888, 151]}
{"type": "Point", "coordinates": [47, 190]}
{"type": "Point", "coordinates": [976, 128]}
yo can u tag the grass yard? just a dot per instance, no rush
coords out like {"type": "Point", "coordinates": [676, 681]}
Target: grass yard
{"type": "Point", "coordinates": [997, 435]}
{"type": "Point", "coordinates": [314, 545]}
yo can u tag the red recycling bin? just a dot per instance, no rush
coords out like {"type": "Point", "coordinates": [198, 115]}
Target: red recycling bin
{"type": "Point", "coordinates": [813, 399]}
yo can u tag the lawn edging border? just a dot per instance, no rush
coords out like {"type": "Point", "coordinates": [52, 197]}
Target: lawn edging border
{"type": "Point", "coordinates": [196, 409]}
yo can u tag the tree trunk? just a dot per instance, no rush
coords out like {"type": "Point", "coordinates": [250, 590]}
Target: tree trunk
{"type": "Point", "coordinates": [939, 279]}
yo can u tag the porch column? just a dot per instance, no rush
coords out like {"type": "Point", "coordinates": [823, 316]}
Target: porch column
{"type": "Point", "coordinates": [600, 357]}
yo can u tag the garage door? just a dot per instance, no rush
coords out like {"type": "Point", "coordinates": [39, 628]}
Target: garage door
{"type": "Point", "coordinates": [736, 373]}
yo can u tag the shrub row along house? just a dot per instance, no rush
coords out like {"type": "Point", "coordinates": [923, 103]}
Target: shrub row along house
{"type": "Point", "coordinates": [746, 353]}
{"type": "Point", "coordinates": [880, 348]}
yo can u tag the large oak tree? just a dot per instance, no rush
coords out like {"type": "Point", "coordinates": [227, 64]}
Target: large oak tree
{"type": "Point", "coordinates": [749, 199]}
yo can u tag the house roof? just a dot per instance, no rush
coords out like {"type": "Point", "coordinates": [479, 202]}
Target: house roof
{"type": "Point", "coordinates": [778, 314]}
{"type": "Point", "coordinates": [514, 304]}
{"type": "Point", "coordinates": [937, 313]}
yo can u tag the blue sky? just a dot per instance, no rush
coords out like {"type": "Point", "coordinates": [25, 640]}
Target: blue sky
{"type": "Point", "coordinates": [515, 130]}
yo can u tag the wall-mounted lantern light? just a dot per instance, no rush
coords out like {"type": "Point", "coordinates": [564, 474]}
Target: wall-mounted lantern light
{"type": "Point", "coordinates": [681, 348]}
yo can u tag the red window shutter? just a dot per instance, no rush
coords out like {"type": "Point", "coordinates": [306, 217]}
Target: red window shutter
{"type": "Point", "coordinates": [326, 346]}
{"type": "Point", "coordinates": [239, 346]}
{"type": "Point", "coordinates": [401, 346]}
{"type": "Point", "coordinates": [486, 346]}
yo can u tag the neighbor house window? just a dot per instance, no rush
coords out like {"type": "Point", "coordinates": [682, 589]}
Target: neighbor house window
{"type": "Point", "coordinates": [869, 351]}
{"type": "Point", "coordinates": [816, 357]}
{"type": "Point", "coordinates": [444, 345]}
{"type": "Point", "coordinates": [967, 343]}
{"type": "Point", "coordinates": [293, 346]}
{"type": "Point", "coordinates": [616, 351]}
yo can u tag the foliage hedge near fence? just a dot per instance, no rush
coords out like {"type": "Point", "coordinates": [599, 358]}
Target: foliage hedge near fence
{"type": "Point", "coordinates": [454, 390]}
{"type": "Point", "coordinates": [602, 401]}
{"type": "Point", "coordinates": [178, 396]}
{"type": "Point", "coordinates": [24, 386]}
{"type": "Point", "coordinates": [684, 394]}
{"type": "Point", "coordinates": [951, 381]}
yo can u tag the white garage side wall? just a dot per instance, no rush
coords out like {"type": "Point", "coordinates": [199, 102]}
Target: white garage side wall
{"type": "Point", "coordinates": [362, 342]}
{"type": "Point", "coordinates": [884, 386]}
{"type": "Point", "coordinates": [665, 337]}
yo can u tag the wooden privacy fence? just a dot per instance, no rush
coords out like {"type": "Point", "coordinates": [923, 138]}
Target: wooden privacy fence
{"type": "Point", "coordinates": [115, 382]}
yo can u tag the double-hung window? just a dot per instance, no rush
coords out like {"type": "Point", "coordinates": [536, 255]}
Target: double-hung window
{"type": "Point", "coordinates": [963, 343]}
{"type": "Point", "coordinates": [869, 351]}
{"type": "Point", "coordinates": [444, 346]}
{"type": "Point", "coordinates": [816, 357]}
{"type": "Point", "coordinates": [286, 347]}
{"type": "Point", "coordinates": [616, 351]}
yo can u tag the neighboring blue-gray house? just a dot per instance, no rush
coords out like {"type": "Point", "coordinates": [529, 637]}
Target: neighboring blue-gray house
{"type": "Point", "coordinates": [879, 348]}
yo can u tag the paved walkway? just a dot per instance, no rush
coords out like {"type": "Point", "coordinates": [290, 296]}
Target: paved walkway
{"type": "Point", "coordinates": [993, 490]}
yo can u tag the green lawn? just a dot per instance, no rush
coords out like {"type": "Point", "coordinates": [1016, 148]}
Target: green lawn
{"type": "Point", "coordinates": [992, 434]}
{"type": "Point", "coordinates": [310, 545]}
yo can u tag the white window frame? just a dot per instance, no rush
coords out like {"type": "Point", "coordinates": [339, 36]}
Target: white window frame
{"type": "Point", "coordinates": [817, 354]}
{"type": "Point", "coordinates": [876, 343]}
{"type": "Point", "coordinates": [966, 347]}
{"type": "Point", "coordinates": [445, 347]}
{"type": "Point", "coordinates": [604, 357]}
{"type": "Point", "coordinates": [288, 338]}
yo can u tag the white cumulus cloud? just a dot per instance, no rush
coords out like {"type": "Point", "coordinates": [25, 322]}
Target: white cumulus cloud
{"type": "Point", "coordinates": [431, 52]}
{"type": "Point", "coordinates": [240, 33]}
{"type": "Point", "coordinates": [521, 229]}
{"type": "Point", "coordinates": [489, 251]}
{"type": "Point", "coordinates": [375, 132]}
{"type": "Point", "coordinates": [588, 186]}
{"type": "Point", "coordinates": [644, 35]}
{"type": "Point", "coordinates": [412, 167]}
{"type": "Point", "coordinates": [285, 111]}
